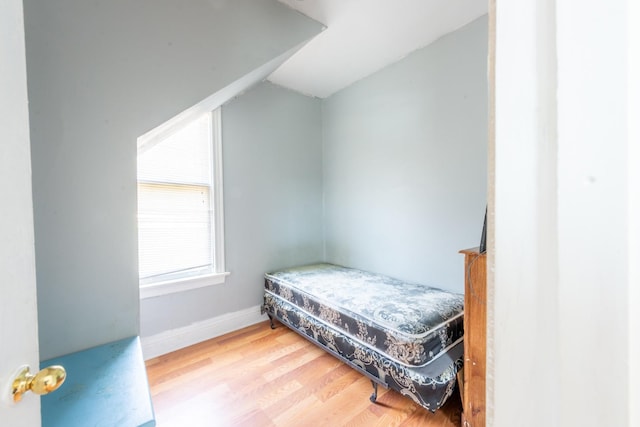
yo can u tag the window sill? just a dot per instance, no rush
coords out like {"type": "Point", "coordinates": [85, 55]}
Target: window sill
{"type": "Point", "coordinates": [181, 285]}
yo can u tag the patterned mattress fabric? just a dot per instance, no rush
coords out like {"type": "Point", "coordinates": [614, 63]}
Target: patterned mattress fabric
{"type": "Point", "coordinates": [429, 386]}
{"type": "Point", "coordinates": [409, 323]}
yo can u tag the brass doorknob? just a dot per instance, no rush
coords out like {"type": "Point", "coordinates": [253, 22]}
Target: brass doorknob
{"type": "Point", "coordinates": [47, 380]}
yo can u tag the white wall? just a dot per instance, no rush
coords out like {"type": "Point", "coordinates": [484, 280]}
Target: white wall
{"type": "Point", "coordinates": [100, 74]}
{"type": "Point", "coordinates": [405, 162]}
{"type": "Point", "coordinates": [592, 211]}
{"type": "Point", "coordinates": [526, 246]}
{"type": "Point", "coordinates": [272, 151]}
{"type": "Point", "coordinates": [558, 340]}
{"type": "Point", "coordinates": [633, 112]}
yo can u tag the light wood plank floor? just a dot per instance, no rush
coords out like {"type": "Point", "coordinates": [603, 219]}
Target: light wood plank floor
{"type": "Point", "coordinates": [262, 377]}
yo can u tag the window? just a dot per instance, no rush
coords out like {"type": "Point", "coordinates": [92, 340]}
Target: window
{"type": "Point", "coordinates": [180, 228]}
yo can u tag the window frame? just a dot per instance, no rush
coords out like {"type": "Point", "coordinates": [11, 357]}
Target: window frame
{"type": "Point", "coordinates": [145, 142]}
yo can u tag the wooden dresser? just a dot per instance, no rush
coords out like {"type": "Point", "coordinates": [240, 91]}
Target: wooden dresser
{"type": "Point", "coordinates": [475, 338]}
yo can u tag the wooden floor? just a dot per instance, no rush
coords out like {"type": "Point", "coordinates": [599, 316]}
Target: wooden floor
{"type": "Point", "coordinates": [262, 377]}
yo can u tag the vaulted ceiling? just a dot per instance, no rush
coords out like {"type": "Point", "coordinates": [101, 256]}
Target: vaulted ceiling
{"type": "Point", "coordinates": [363, 36]}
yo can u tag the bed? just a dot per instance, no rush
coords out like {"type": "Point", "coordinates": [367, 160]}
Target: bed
{"type": "Point", "coordinates": [401, 335]}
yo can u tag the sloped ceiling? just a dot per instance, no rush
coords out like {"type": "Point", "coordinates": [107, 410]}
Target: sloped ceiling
{"type": "Point", "coordinates": [364, 36]}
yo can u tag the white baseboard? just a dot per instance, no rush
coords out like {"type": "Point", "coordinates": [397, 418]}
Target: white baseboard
{"type": "Point", "coordinates": [175, 339]}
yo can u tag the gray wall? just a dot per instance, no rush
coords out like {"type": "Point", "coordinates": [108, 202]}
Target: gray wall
{"type": "Point", "coordinates": [272, 153]}
{"type": "Point", "coordinates": [100, 74]}
{"type": "Point", "coordinates": [405, 162]}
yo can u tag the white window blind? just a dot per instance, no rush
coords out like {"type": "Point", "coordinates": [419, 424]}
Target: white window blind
{"type": "Point", "coordinates": [175, 207]}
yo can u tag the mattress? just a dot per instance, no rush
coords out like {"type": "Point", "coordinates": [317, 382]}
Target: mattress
{"type": "Point", "coordinates": [410, 323]}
